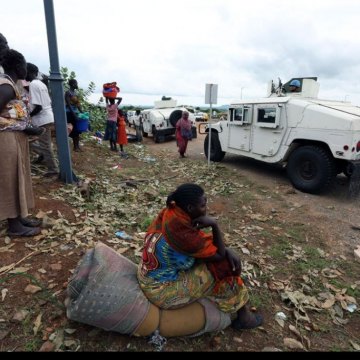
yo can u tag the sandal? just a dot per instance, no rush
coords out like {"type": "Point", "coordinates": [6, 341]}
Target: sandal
{"type": "Point", "coordinates": [238, 325]}
{"type": "Point", "coordinates": [26, 233]}
{"type": "Point", "coordinates": [31, 222]}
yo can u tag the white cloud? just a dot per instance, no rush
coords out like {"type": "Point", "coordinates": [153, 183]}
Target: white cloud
{"type": "Point", "coordinates": [175, 47]}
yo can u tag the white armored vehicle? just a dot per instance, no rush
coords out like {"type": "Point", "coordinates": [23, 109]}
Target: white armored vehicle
{"type": "Point", "coordinates": [315, 139]}
{"type": "Point", "coordinates": [161, 120]}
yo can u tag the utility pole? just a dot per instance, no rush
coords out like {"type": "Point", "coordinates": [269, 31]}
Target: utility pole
{"type": "Point", "coordinates": [211, 94]}
{"type": "Point", "coordinates": [57, 95]}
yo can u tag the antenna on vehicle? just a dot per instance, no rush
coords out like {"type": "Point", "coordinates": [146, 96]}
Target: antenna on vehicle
{"type": "Point", "coordinates": [273, 90]}
{"type": "Point", "coordinates": [280, 89]}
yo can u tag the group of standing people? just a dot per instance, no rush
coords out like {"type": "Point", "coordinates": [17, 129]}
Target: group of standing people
{"type": "Point", "coordinates": [16, 192]}
{"type": "Point", "coordinates": [115, 130]}
{"type": "Point", "coordinates": [25, 109]}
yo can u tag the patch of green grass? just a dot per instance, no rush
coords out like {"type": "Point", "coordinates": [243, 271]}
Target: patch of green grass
{"type": "Point", "coordinates": [336, 348]}
{"type": "Point", "coordinates": [280, 249]}
{"type": "Point", "coordinates": [298, 232]}
{"type": "Point", "coordinates": [352, 269]}
{"type": "Point", "coordinates": [33, 345]}
{"type": "Point", "coordinates": [163, 192]}
{"type": "Point", "coordinates": [355, 293]}
{"type": "Point", "coordinates": [146, 223]}
{"type": "Point", "coordinates": [259, 299]}
{"type": "Point", "coordinates": [311, 261]}
{"type": "Point", "coordinates": [268, 235]}
{"type": "Point", "coordinates": [246, 197]}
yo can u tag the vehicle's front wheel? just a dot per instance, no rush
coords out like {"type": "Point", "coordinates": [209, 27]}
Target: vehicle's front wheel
{"type": "Point", "coordinates": [216, 153]}
{"type": "Point", "coordinates": [158, 136]}
{"type": "Point", "coordinates": [311, 169]}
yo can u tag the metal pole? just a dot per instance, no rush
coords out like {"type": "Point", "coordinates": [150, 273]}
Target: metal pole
{"type": "Point", "coordinates": [209, 149]}
{"type": "Point", "coordinates": [57, 95]}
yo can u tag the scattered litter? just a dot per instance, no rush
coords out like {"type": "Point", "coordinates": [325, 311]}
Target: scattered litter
{"type": "Point", "coordinates": [149, 159]}
{"type": "Point", "coordinates": [97, 139]}
{"type": "Point", "coordinates": [99, 134]}
{"type": "Point", "coordinates": [351, 308]}
{"type": "Point", "coordinates": [117, 167]}
{"type": "Point", "coordinates": [124, 155]}
{"type": "Point", "coordinates": [157, 341]}
{"type": "Point", "coordinates": [281, 316]}
{"type": "Point", "coordinates": [123, 235]}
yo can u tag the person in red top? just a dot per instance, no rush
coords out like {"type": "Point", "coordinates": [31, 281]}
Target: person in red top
{"type": "Point", "coordinates": [121, 134]}
{"type": "Point", "coordinates": [181, 263]}
{"type": "Point", "coordinates": [111, 123]}
{"type": "Point", "coordinates": [183, 133]}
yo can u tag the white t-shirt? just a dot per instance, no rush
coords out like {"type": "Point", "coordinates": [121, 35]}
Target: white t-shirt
{"type": "Point", "coordinates": [39, 95]}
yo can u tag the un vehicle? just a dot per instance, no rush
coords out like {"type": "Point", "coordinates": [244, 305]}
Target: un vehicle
{"type": "Point", "coordinates": [315, 139]}
{"type": "Point", "coordinates": [161, 120]}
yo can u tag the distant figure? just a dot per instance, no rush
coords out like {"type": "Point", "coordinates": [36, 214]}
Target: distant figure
{"type": "Point", "coordinates": [73, 109]}
{"type": "Point", "coordinates": [294, 86]}
{"type": "Point", "coordinates": [42, 116]}
{"type": "Point", "coordinates": [183, 133]}
{"type": "Point", "coordinates": [111, 122]}
{"type": "Point", "coordinates": [121, 135]}
{"type": "Point", "coordinates": [138, 126]}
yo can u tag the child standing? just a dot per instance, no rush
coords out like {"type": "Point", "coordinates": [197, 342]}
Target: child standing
{"type": "Point", "coordinates": [121, 135]}
{"type": "Point", "coordinates": [112, 114]}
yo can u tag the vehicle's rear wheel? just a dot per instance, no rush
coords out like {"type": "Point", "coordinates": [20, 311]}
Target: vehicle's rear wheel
{"type": "Point", "coordinates": [216, 153]}
{"type": "Point", "coordinates": [311, 169]}
{"type": "Point", "coordinates": [348, 170]}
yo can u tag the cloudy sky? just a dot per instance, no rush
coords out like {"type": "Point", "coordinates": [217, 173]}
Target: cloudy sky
{"type": "Point", "coordinates": [174, 47]}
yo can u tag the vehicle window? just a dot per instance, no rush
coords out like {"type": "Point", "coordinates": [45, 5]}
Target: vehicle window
{"type": "Point", "coordinates": [242, 115]}
{"type": "Point", "coordinates": [267, 116]}
{"type": "Point", "coordinates": [238, 114]}
{"type": "Point", "coordinates": [247, 115]}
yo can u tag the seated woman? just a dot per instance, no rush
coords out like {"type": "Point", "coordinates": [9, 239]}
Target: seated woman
{"type": "Point", "coordinates": [181, 263]}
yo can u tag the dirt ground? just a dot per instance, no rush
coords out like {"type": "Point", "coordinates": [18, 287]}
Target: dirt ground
{"type": "Point", "coordinates": [297, 250]}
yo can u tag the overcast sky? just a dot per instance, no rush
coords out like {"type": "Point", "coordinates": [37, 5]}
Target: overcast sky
{"type": "Point", "coordinates": [174, 47]}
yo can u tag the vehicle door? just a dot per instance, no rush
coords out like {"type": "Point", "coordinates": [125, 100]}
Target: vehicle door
{"type": "Point", "coordinates": [239, 123]}
{"type": "Point", "coordinates": [268, 130]}
{"type": "Point", "coordinates": [146, 122]}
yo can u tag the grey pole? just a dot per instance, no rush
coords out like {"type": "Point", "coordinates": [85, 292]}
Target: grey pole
{"type": "Point", "coordinates": [57, 95]}
{"type": "Point", "coordinates": [209, 148]}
